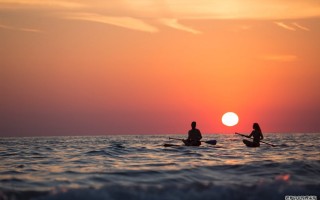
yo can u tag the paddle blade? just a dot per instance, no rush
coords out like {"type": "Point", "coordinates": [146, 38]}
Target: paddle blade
{"type": "Point", "coordinates": [212, 142]}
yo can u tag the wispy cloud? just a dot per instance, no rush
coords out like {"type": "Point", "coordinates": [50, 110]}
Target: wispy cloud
{"type": "Point", "coordinates": [130, 14]}
{"type": "Point", "coordinates": [20, 29]}
{"type": "Point", "coordinates": [292, 27]}
{"type": "Point", "coordinates": [177, 9]}
{"type": "Point", "coordinates": [229, 9]}
{"type": "Point", "coordinates": [124, 22]}
{"type": "Point", "coordinates": [173, 23]}
{"type": "Point", "coordinates": [279, 58]}
{"type": "Point", "coordinates": [40, 4]}
{"type": "Point", "coordinates": [285, 26]}
{"type": "Point", "coordinates": [300, 26]}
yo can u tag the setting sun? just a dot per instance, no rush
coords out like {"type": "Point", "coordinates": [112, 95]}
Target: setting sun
{"type": "Point", "coordinates": [230, 119]}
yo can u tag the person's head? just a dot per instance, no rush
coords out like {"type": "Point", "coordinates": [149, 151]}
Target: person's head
{"type": "Point", "coordinates": [256, 127]}
{"type": "Point", "coordinates": [193, 124]}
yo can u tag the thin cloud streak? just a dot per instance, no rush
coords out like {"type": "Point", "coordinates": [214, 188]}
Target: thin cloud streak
{"type": "Point", "coordinates": [283, 25]}
{"type": "Point", "coordinates": [124, 22]}
{"type": "Point", "coordinates": [292, 27]}
{"type": "Point", "coordinates": [173, 23]}
{"type": "Point", "coordinates": [20, 29]}
{"type": "Point", "coordinates": [187, 9]}
{"type": "Point", "coordinates": [300, 26]}
{"type": "Point", "coordinates": [231, 9]}
{"type": "Point", "coordinates": [39, 4]}
{"type": "Point", "coordinates": [129, 14]}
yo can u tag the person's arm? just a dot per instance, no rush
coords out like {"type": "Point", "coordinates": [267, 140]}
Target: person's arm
{"type": "Point", "coordinates": [189, 135]}
{"type": "Point", "coordinates": [200, 135]}
{"type": "Point", "coordinates": [261, 136]}
{"type": "Point", "coordinates": [242, 135]}
{"type": "Point", "coordinates": [251, 134]}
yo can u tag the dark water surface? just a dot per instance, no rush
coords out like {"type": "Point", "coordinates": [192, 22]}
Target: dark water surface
{"type": "Point", "coordinates": [139, 167]}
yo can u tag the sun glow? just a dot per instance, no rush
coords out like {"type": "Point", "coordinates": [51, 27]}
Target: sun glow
{"type": "Point", "coordinates": [230, 119]}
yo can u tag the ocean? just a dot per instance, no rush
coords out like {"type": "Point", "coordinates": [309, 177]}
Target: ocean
{"type": "Point", "coordinates": [139, 167]}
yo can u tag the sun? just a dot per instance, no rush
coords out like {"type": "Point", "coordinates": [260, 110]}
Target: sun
{"type": "Point", "coordinates": [230, 119]}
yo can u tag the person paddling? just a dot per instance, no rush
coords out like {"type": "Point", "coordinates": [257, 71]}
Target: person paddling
{"type": "Point", "coordinates": [256, 134]}
{"type": "Point", "coordinates": [194, 136]}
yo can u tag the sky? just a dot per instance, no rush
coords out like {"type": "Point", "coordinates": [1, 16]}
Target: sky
{"type": "Point", "coordinates": [74, 67]}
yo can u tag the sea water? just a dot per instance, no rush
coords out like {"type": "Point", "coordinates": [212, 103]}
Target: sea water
{"type": "Point", "coordinates": [140, 167]}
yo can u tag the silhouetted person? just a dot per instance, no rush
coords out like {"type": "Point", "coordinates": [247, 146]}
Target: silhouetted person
{"type": "Point", "coordinates": [194, 136]}
{"type": "Point", "coordinates": [256, 134]}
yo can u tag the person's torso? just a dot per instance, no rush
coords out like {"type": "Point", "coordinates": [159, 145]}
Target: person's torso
{"type": "Point", "coordinates": [256, 136]}
{"type": "Point", "coordinates": [194, 134]}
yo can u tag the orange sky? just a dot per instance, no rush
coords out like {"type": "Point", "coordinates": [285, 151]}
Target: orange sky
{"type": "Point", "coordinates": [130, 67]}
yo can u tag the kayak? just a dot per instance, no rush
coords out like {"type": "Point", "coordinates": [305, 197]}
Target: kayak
{"type": "Point", "coordinates": [250, 143]}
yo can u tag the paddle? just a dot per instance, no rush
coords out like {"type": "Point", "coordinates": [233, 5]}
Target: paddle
{"type": "Point", "coordinates": [212, 142]}
{"type": "Point", "coordinates": [260, 140]}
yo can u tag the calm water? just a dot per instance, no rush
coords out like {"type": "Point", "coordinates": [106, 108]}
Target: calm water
{"type": "Point", "coordinates": [139, 167]}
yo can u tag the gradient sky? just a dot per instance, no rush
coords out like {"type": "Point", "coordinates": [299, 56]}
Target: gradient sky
{"type": "Point", "coordinates": [72, 67]}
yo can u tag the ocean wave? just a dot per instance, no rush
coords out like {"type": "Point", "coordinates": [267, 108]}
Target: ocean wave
{"type": "Point", "coordinates": [98, 153]}
{"type": "Point", "coordinates": [139, 167]}
{"type": "Point", "coordinates": [191, 191]}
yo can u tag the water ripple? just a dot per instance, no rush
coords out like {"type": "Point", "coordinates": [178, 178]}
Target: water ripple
{"type": "Point", "coordinates": [110, 167]}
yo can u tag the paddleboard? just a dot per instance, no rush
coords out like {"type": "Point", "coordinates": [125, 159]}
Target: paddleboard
{"type": "Point", "coordinates": [250, 143]}
{"type": "Point", "coordinates": [171, 145]}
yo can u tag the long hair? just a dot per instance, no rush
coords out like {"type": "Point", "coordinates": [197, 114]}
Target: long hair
{"type": "Point", "coordinates": [257, 127]}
